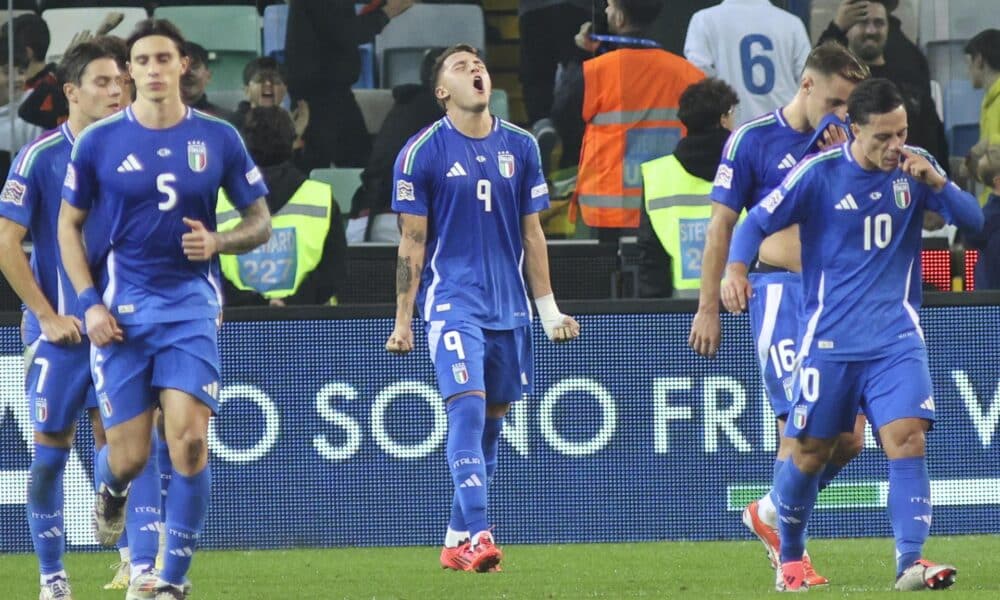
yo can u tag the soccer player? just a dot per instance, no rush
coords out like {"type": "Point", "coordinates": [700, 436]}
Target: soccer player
{"type": "Point", "coordinates": [57, 383]}
{"type": "Point", "coordinates": [859, 207]}
{"type": "Point", "coordinates": [148, 177]}
{"type": "Point", "coordinates": [755, 160]}
{"type": "Point", "coordinates": [468, 189]}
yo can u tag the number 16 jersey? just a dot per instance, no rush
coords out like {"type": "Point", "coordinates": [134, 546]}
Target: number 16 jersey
{"type": "Point", "coordinates": [138, 185]}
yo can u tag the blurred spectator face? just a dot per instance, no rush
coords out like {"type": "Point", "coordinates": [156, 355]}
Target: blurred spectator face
{"type": "Point", "coordinates": [266, 88]}
{"type": "Point", "coordinates": [977, 70]}
{"type": "Point", "coordinates": [5, 81]}
{"type": "Point", "coordinates": [194, 81]}
{"type": "Point", "coordinates": [881, 139]}
{"type": "Point", "coordinates": [99, 93]}
{"type": "Point", "coordinates": [616, 18]}
{"type": "Point", "coordinates": [156, 67]}
{"type": "Point", "coordinates": [727, 121]}
{"type": "Point", "coordinates": [867, 37]}
{"type": "Point", "coordinates": [464, 81]}
{"type": "Point", "coordinates": [827, 94]}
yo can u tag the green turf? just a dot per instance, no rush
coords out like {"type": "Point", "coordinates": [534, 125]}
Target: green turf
{"type": "Point", "coordinates": [859, 569]}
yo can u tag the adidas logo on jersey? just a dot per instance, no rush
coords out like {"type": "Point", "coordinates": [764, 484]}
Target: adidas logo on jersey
{"type": "Point", "coordinates": [130, 164]}
{"type": "Point", "coordinates": [456, 170]}
{"type": "Point", "coordinates": [928, 404]}
{"type": "Point", "coordinates": [847, 203]}
{"type": "Point", "coordinates": [787, 163]}
{"type": "Point", "coordinates": [472, 481]}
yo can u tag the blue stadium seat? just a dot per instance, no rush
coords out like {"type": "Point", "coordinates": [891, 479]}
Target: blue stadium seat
{"type": "Point", "coordinates": [955, 19]}
{"type": "Point", "coordinates": [499, 104]}
{"type": "Point", "coordinates": [366, 80]}
{"type": "Point", "coordinates": [962, 104]}
{"type": "Point", "coordinates": [344, 183]}
{"type": "Point", "coordinates": [375, 106]}
{"type": "Point", "coordinates": [961, 138]}
{"type": "Point", "coordinates": [275, 23]}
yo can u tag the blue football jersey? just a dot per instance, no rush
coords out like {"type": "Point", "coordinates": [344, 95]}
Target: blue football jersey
{"type": "Point", "coordinates": [31, 197]}
{"type": "Point", "coordinates": [473, 193]}
{"type": "Point", "coordinates": [138, 184]}
{"type": "Point", "coordinates": [861, 238]}
{"type": "Point", "coordinates": [757, 156]}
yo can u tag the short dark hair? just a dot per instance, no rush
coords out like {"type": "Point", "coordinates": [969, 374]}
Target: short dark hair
{"type": "Point", "coordinates": [262, 63]}
{"type": "Point", "coordinates": [196, 52]}
{"type": "Point", "coordinates": [640, 12]}
{"type": "Point", "coordinates": [890, 5]}
{"type": "Point", "coordinates": [150, 27]}
{"type": "Point", "coordinates": [76, 59]}
{"type": "Point", "coordinates": [986, 44]}
{"type": "Point", "coordinates": [30, 31]}
{"type": "Point", "coordinates": [873, 97]}
{"type": "Point", "coordinates": [427, 66]}
{"type": "Point", "coordinates": [269, 135]}
{"type": "Point", "coordinates": [117, 47]}
{"type": "Point", "coordinates": [702, 104]}
{"type": "Point", "coordinates": [831, 58]}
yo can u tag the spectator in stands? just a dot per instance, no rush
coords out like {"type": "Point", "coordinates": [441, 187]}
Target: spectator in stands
{"type": "Point", "coordinates": [867, 37]}
{"type": "Point", "coordinates": [983, 53]}
{"type": "Point", "coordinates": [628, 99]}
{"type": "Point", "coordinates": [987, 241]}
{"type": "Point", "coordinates": [264, 86]}
{"type": "Point", "coordinates": [321, 52]}
{"type": "Point", "coordinates": [307, 227]}
{"type": "Point", "coordinates": [669, 251]}
{"type": "Point", "coordinates": [547, 30]}
{"type": "Point", "coordinates": [414, 108]}
{"type": "Point", "coordinates": [23, 131]}
{"type": "Point", "coordinates": [899, 49]}
{"type": "Point", "coordinates": [46, 106]}
{"type": "Point", "coordinates": [756, 47]}
{"type": "Point", "coordinates": [196, 79]}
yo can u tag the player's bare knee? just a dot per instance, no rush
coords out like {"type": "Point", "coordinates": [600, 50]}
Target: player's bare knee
{"type": "Point", "coordinates": [906, 444]}
{"type": "Point", "coordinates": [848, 446]}
{"type": "Point", "coordinates": [189, 450]}
{"type": "Point", "coordinates": [811, 455]}
{"type": "Point", "coordinates": [497, 411]}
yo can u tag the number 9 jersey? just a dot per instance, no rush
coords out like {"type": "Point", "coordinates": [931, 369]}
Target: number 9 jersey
{"type": "Point", "coordinates": [138, 184]}
{"type": "Point", "coordinates": [474, 193]}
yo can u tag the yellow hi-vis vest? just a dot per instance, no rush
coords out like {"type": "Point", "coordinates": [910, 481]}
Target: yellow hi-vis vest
{"type": "Point", "coordinates": [298, 232]}
{"type": "Point", "coordinates": [679, 209]}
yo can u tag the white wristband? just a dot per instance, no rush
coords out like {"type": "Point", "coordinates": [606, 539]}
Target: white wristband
{"type": "Point", "coordinates": [547, 309]}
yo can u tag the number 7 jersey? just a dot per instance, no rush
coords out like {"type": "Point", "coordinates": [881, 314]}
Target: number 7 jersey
{"type": "Point", "coordinates": [138, 184]}
{"type": "Point", "coordinates": [861, 240]}
{"type": "Point", "coordinates": [474, 193]}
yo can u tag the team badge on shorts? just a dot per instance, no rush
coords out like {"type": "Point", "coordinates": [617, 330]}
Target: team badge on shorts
{"type": "Point", "coordinates": [506, 160]}
{"type": "Point", "coordinates": [41, 410]}
{"type": "Point", "coordinates": [197, 156]}
{"type": "Point", "coordinates": [105, 403]}
{"type": "Point", "coordinates": [800, 417]}
{"type": "Point", "coordinates": [901, 191]}
{"type": "Point", "coordinates": [460, 373]}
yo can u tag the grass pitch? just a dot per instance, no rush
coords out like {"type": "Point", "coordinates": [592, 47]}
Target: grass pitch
{"type": "Point", "coordinates": [858, 568]}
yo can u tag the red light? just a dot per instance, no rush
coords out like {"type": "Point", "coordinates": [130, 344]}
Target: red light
{"type": "Point", "coordinates": [937, 268]}
{"type": "Point", "coordinates": [971, 258]}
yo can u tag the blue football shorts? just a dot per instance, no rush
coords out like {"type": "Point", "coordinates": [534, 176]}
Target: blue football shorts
{"type": "Point", "coordinates": [774, 321]}
{"type": "Point", "coordinates": [468, 358]}
{"type": "Point", "coordinates": [182, 355]}
{"type": "Point", "coordinates": [57, 384]}
{"type": "Point", "coordinates": [830, 393]}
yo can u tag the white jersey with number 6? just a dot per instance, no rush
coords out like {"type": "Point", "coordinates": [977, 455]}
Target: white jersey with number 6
{"type": "Point", "coordinates": [753, 46]}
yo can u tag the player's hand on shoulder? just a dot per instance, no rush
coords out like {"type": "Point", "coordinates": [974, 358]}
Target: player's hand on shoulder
{"type": "Point", "coordinates": [917, 166]}
{"type": "Point", "coordinates": [706, 333]}
{"type": "Point", "coordinates": [199, 244]}
{"type": "Point", "coordinates": [736, 290]}
{"type": "Point", "coordinates": [562, 330]}
{"type": "Point", "coordinates": [61, 329]}
{"type": "Point", "coordinates": [400, 341]}
{"type": "Point", "coordinates": [102, 328]}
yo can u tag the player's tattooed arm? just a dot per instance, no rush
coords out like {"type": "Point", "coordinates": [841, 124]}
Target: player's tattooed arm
{"type": "Point", "coordinates": [409, 264]}
{"type": "Point", "coordinates": [253, 230]}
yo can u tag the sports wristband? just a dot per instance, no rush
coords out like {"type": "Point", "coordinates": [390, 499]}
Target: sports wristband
{"type": "Point", "coordinates": [87, 298]}
{"type": "Point", "coordinates": [547, 309]}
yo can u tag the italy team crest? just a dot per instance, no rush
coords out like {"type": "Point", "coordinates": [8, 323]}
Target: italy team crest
{"type": "Point", "coordinates": [901, 192]}
{"type": "Point", "coordinates": [460, 373]}
{"type": "Point", "coordinates": [800, 417]}
{"type": "Point", "coordinates": [506, 161]}
{"type": "Point", "coordinates": [197, 156]}
{"type": "Point", "coordinates": [41, 410]}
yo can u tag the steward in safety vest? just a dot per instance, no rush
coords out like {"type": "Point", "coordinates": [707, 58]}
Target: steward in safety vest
{"type": "Point", "coordinates": [630, 101]}
{"type": "Point", "coordinates": [304, 261]}
{"type": "Point", "coordinates": [676, 194]}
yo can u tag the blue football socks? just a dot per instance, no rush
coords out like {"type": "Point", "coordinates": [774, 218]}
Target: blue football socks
{"type": "Point", "coordinates": [45, 507]}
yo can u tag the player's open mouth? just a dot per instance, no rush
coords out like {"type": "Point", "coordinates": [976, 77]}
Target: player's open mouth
{"type": "Point", "coordinates": [477, 82]}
